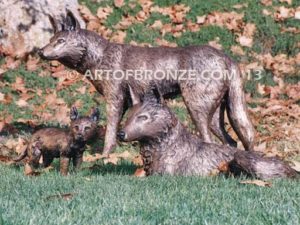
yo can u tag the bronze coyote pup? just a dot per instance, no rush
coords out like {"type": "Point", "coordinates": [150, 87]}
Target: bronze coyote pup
{"type": "Point", "coordinates": [167, 147]}
{"type": "Point", "coordinates": [206, 97]}
{"type": "Point", "coordinates": [67, 144]}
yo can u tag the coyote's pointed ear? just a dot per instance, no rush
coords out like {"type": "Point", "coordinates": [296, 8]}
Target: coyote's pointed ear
{"type": "Point", "coordinates": [95, 116]}
{"type": "Point", "coordinates": [135, 98]}
{"type": "Point", "coordinates": [154, 96]}
{"type": "Point", "coordinates": [57, 27]}
{"type": "Point", "coordinates": [71, 22]}
{"type": "Point", "coordinates": [74, 113]}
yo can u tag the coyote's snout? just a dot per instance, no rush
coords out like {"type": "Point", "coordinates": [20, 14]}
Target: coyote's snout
{"type": "Point", "coordinates": [206, 99]}
{"type": "Point", "coordinates": [167, 147]}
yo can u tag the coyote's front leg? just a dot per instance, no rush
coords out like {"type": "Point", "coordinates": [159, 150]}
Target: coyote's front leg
{"type": "Point", "coordinates": [114, 109]}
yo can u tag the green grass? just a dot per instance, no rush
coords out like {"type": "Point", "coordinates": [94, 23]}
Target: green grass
{"type": "Point", "coordinates": [110, 195]}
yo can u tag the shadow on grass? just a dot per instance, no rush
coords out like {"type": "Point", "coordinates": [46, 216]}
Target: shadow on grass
{"type": "Point", "coordinates": [99, 168]}
{"type": "Point", "coordinates": [122, 168]}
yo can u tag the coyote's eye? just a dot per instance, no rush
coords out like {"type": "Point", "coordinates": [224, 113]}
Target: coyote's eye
{"type": "Point", "coordinates": [60, 41]}
{"type": "Point", "coordinates": [76, 128]}
{"type": "Point", "coordinates": [87, 128]}
{"type": "Point", "coordinates": [142, 117]}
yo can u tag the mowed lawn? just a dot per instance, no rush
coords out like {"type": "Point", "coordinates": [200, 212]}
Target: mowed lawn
{"type": "Point", "coordinates": [109, 195]}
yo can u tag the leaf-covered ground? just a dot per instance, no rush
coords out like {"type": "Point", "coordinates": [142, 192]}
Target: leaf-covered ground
{"type": "Point", "coordinates": [262, 36]}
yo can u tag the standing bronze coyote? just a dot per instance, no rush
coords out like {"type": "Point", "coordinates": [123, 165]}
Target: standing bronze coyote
{"type": "Point", "coordinates": [206, 98]}
{"type": "Point", "coordinates": [167, 147]}
{"type": "Point", "coordinates": [67, 144]}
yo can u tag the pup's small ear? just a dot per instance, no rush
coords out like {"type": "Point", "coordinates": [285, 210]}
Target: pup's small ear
{"type": "Point", "coordinates": [57, 26]}
{"type": "Point", "coordinates": [71, 22]}
{"type": "Point", "coordinates": [74, 113]}
{"type": "Point", "coordinates": [95, 116]}
{"type": "Point", "coordinates": [135, 98]}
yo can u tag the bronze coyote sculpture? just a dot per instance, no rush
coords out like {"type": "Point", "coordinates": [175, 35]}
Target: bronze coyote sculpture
{"type": "Point", "coordinates": [68, 144]}
{"type": "Point", "coordinates": [206, 98]}
{"type": "Point", "coordinates": [167, 147]}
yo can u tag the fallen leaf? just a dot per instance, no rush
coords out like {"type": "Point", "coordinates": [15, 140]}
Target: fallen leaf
{"type": "Point", "coordinates": [297, 14]}
{"type": "Point", "coordinates": [266, 12]}
{"type": "Point", "coordinates": [216, 43]}
{"type": "Point", "coordinates": [19, 85]}
{"type": "Point", "coordinates": [237, 50]}
{"type": "Point", "coordinates": [140, 172]}
{"type": "Point", "coordinates": [231, 20]}
{"type": "Point", "coordinates": [4, 159]}
{"type": "Point", "coordinates": [249, 30]}
{"type": "Point", "coordinates": [86, 13]}
{"type": "Point", "coordinates": [11, 63]}
{"type": "Point", "coordinates": [2, 125]}
{"type": "Point", "coordinates": [287, 1]}
{"type": "Point", "coordinates": [260, 183]}
{"type": "Point", "coordinates": [118, 3]}
{"type": "Point", "coordinates": [266, 2]}
{"type": "Point", "coordinates": [93, 158]}
{"type": "Point", "coordinates": [125, 155]}
{"type": "Point", "coordinates": [163, 42]}
{"type": "Point", "coordinates": [7, 99]}
{"type": "Point", "coordinates": [240, 6]}
{"type": "Point", "coordinates": [112, 158]}
{"type": "Point", "coordinates": [2, 71]}
{"type": "Point", "coordinates": [21, 103]}
{"type": "Point", "coordinates": [214, 172]}
{"type": "Point", "coordinates": [191, 26]}
{"type": "Point", "coordinates": [296, 165]}
{"type": "Point", "coordinates": [2, 97]}
{"type": "Point", "coordinates": [141, 16]}
{"type": "Point", "coordinates": [245, 41]}
{"type": "Point", "coordinates": [157, 24]}
{"type": "Point", "coordinates": [118, 37]}
{"type": "Point", "coordinates": [47, 169]}
{"type": "Point", "coordinates": [103, 13]}
{"type": "Point", "coordinates": [283, 13]}
{"type": "Point", "coordinates": [138, 161]}
{"type": "Point", "coordinates": [32, 63]}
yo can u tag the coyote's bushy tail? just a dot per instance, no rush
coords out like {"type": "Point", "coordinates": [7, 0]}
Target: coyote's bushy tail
{"type": "Point", "coordinates": [255, 165]}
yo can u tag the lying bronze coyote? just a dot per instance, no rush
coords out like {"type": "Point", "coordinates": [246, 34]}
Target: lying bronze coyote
{"type": "Point", "coordinates": [167, 147]}
{"type": "Point", "coordinates": [205, 97]}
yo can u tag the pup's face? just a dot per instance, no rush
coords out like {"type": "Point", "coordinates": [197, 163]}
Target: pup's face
{"type": "Point", "coordinates": [84, 128]}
